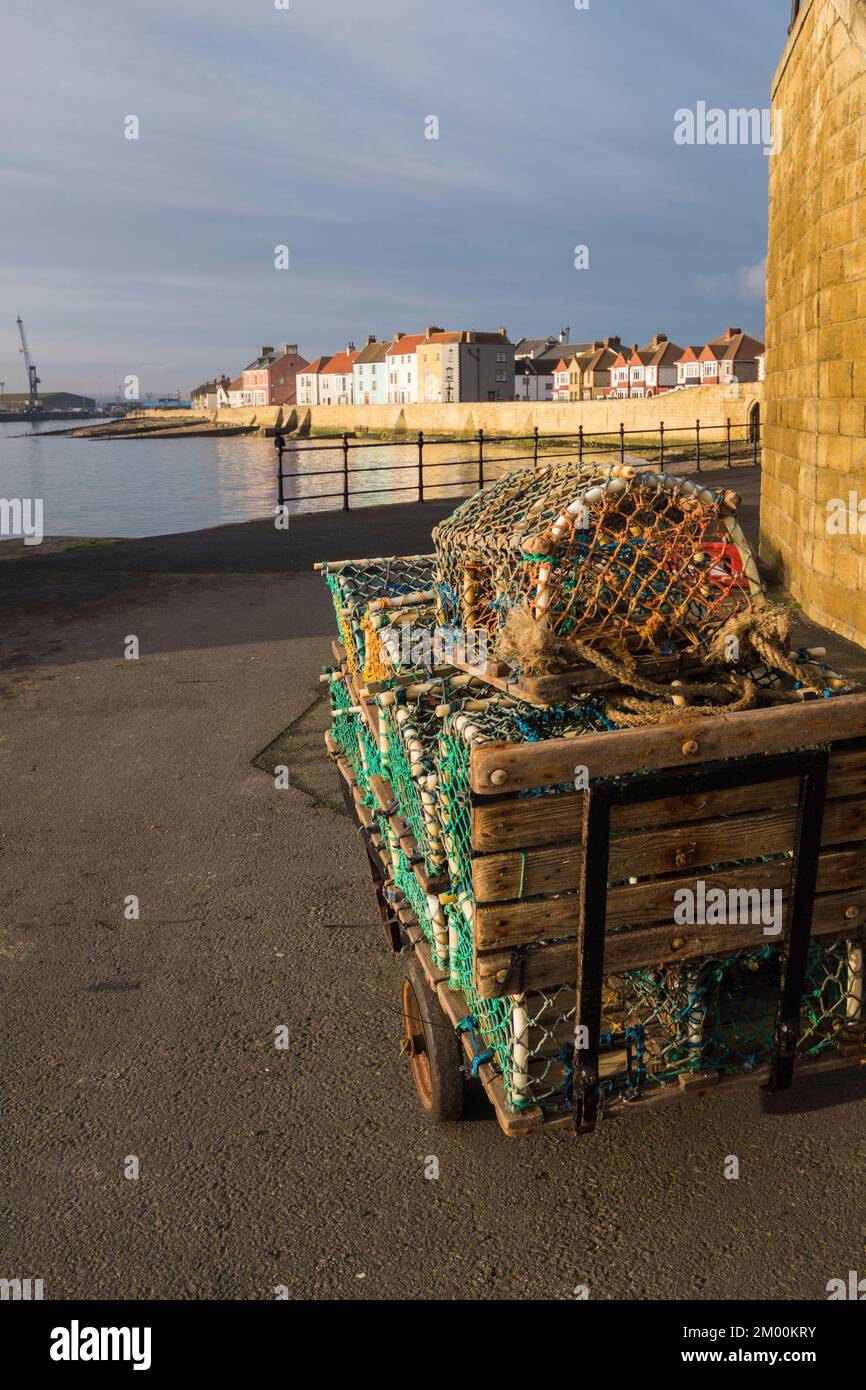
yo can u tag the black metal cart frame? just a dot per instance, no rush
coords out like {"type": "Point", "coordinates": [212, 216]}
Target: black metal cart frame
{"type": "Point", "coordinates": [811, 768]}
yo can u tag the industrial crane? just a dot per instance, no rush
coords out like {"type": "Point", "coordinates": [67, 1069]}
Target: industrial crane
{"type": "Point", "coordinates": [32, 378]}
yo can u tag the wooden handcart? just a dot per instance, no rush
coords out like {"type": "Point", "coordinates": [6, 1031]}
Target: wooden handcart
{"type": "Point", "coordinates": [773, 798]}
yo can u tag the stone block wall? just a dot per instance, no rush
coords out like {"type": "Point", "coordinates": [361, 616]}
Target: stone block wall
{"type": "Point", "coordinates": [815, 390]}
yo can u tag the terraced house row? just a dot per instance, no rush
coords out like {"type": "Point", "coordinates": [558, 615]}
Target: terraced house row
{"type": "Point", "coordinates": [608, 369]}
{"type": "Point", "coordinates": [434, 366]}
{"type": "Point", "coordinates": [439, 367]}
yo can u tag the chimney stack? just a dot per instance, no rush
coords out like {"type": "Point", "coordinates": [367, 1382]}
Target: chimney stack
{"type": "Point", "coordinates": [398, 337]}
{"type": "Point", "coordinates": [503, 332]}
{"type": "Point", "coordinates": [371, 338]}
{"type": "Point", "coordinates": [290, 349]}
{"type": "Point", "coordinates": [732, 332]}
{"type": "Point", "coordinates": [266, 351]}
{"type": "Point", "coordinates": [659, 339]}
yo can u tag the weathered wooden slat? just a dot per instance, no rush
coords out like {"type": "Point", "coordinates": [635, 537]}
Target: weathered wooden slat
{"type": "Point", "coordinates": [554, 689]}
{"type": "Point", "coordinates": [647, 946]}
{"type": "Point", "coordinates": [556, 868]}
{"type": "Point", "coordinates": [687, 743]}
{"type": "Point", "coordinates": [525, 822]}
{"type": "Point", "coordinates": [651, 901]}
{"type": "Point", "coordinates": [639, 854]}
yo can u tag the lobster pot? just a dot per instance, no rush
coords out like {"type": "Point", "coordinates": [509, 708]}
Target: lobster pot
{"type": "Point", "coordinates": [610, 555]}
{"type": "Point", "coordinates": [356, 584]}
{"type": "Point", "coordinates": [717, 1015]}
{"type": "Point", "coordinates": [429, 911]}
{"type": "Point", "coordinates": [409, 721]}
{"type": "Point", "coordinates": [400, 636]}
{"type": "Point", "coordinates": [352, 732]}
{"type": "Point", "coordinates": [497, 719]}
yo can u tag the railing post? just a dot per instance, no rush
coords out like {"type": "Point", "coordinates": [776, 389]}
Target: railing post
{"type": "Point", "coordinates": [580, 444]}
{"type": "Point", "coordinates": [280, 498]}
{"type": "Point", "coordinates": [480, 458]}
{"type": "Point", "coordinates": [420, 465]}
{"type": "Point", "coordinates": [662, 443]}
{"type": "Point", "coordinates": [621, 442]}
{"type": "Point", "coordinates": [535, 449]}
{"type": "Point", "coordinates": [698, 444]}
{"type": "Point", "coordinates": [345, 472]}
{"type": "Point", "coordinates": [729, 464]}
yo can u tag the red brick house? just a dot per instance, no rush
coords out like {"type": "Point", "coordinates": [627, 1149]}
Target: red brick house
{"type": "Point", "coordinates": [734, 357]}
{"type": "Point", "coordinates": [272, 378]}
{"type": "Point", "coordinates": [646, 371]}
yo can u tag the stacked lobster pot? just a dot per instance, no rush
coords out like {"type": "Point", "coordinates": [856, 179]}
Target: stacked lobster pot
{"type": "Point", "coordinates": [605, 602]}
{"type": "Point", "coordinates": [372, 596]}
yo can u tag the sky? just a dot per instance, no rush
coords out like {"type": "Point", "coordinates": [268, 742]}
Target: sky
{"type": "Point", "coordinates": [306, 127]}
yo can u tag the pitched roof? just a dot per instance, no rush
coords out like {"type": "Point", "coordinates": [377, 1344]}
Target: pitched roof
{"type": "Point", "coordinates": [316, 366]}
{"type": "Point", "coordinates": [661, 352]}
{"type": "Point", "coordinates": [598, 359]}
{"type": "Point", "coordinates": [545, 347]}
{"type": "Point", "coordinates": [471, 336]}
{"type": "Point", "coordinates": [742, 347]}
{"type": "Point", "coordinates": [572, 349]}
{"type": "Point", "coordinates": [733, 346]}
{"type": "Point", "coordinates": [407, 344]}
{"type": "Point", "coordinates": [235, 385]}
{"type": "Point", "coordinates": [534, 347]}
{"type": "Point", "coordinates": [266, 360]}
{"type": "Point", "coordinates": [373, 352]}
{"type": "Point", "coordinates": [536, 366]}
{"type": "Point", "coordinates": [340, 364]}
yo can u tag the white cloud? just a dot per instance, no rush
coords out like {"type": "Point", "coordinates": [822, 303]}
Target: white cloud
{"type": "Point", "coordinates": [752, 280]}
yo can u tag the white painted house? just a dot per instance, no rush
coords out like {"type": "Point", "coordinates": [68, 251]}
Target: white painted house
{"type": "Point", "coordinates": [337, 378]}
{"type": "Point", "coordinates": [402, 359]}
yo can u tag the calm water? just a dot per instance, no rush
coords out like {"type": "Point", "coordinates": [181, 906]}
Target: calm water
{"type": "Point", "coordinates": [149, 487]}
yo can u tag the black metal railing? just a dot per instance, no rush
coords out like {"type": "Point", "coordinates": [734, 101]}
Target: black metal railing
{"type": "Point", "coordinates": [693, 446]}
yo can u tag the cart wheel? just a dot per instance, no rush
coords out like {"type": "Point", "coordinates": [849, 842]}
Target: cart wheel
{"type": "Point", "coordinates": [432, 1048]}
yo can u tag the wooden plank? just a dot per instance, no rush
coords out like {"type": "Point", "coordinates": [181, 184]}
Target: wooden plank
{"type": "Point", "coordinates": [639, 854]}
{"type": "Point", "coordinates": [648, 946]}
{"type": "Point", "coordinates": [651, 900]}
{"type": "Point", "coordinates": [524, 822]}
{"type": "Point", "coordinates": [556, 688]}
{"type": "Point", "coordinates": [499, 767]}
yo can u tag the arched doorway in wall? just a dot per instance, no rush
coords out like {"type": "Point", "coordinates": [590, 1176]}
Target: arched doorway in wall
{"type": "Point", "coordinates": [755, 423]}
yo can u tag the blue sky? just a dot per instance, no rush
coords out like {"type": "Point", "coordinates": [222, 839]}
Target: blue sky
{"type": "Point", "coordinates": [306, 127]}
